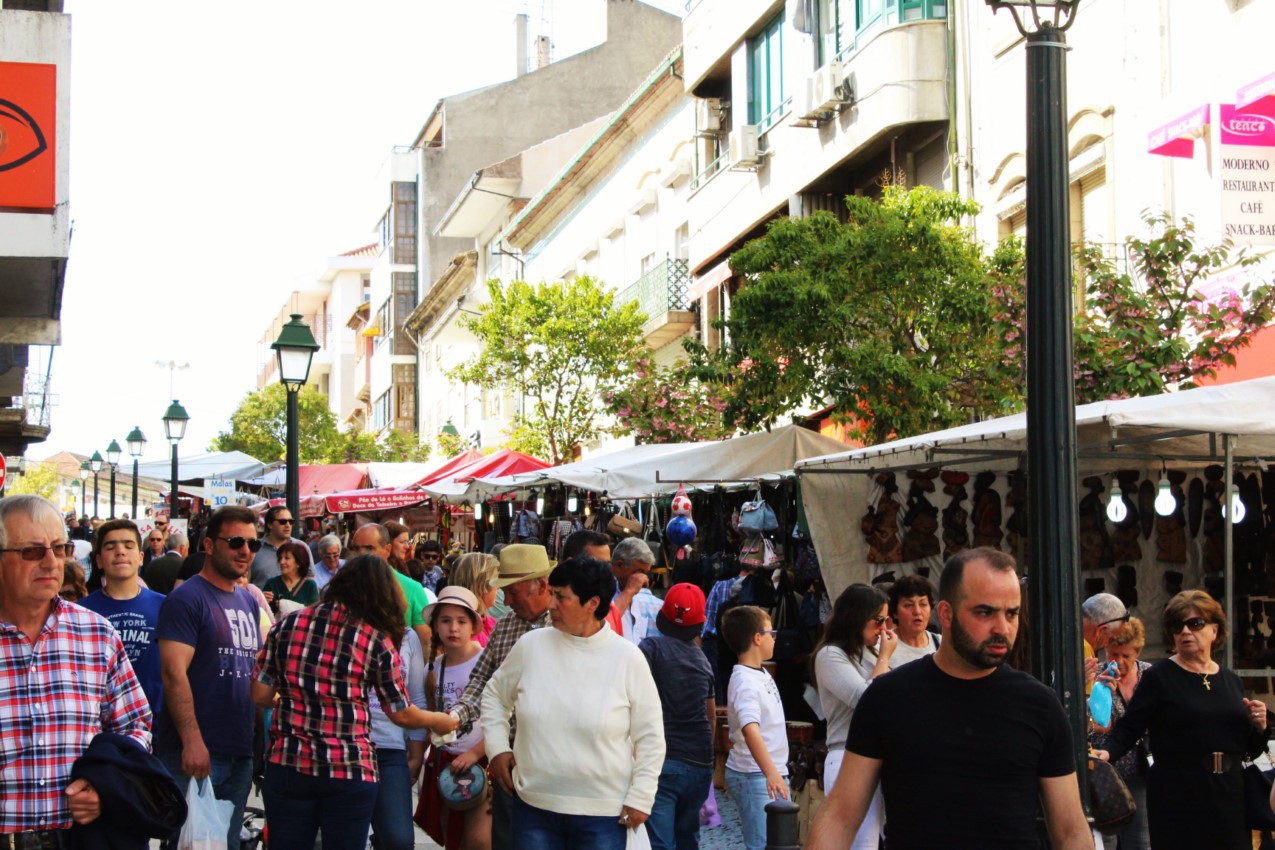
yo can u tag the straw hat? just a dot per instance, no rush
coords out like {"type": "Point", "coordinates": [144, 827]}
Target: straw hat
{"type": "Point", "coordinates": [520, 562]}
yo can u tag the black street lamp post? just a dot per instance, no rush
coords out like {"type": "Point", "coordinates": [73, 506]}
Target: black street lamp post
{"type": "Point", "coordinates": [136, 445]}
{"type": "Point", "coordinates": [95, 464]}
{"type": "Point", "coordinates": [1051, 394]}
{"type": "Point", "coordinates": [113, 459]}
{"type": "Point", "coordinates": [175, 420]}
{"type": "Point", "coordinates": [295, 347]}
{"type": "Point", "coordinates": [84, 488]}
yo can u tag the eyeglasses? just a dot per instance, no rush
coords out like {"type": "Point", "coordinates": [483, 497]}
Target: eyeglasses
{"type": "Point", "coordinates": [769, 632]}
{"type": "Point", "coordinates": [69, 595]}
{"type": "Point", "coordinates": [254, 545]}
{"type": "Point", "coordinates": [1123, 619]}
{"type": "Point", "coordinates": [880, 621]}
{"type": "Point", "coordinates": [36, 553]}
{"type": "Point", "coordinates": [1192, 623]}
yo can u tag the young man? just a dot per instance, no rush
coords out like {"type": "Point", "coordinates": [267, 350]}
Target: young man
{"type": "Point", "coordinates": [209, 634]}
{"type": "Point", "coordinates": [684, 680]}
{"type": "Point", "coordinates": [972, 773]}
{"type": "Point", "coordinates": [132, 609]}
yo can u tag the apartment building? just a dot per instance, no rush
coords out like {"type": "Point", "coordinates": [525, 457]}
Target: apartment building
{"type": "Point", "coordinates": [35, 217]}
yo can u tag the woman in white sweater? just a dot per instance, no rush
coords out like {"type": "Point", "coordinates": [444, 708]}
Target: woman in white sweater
{"type": "Point", "coordinates": [585, 762]}
{"type": "Point", "coordinates": [855, 649]}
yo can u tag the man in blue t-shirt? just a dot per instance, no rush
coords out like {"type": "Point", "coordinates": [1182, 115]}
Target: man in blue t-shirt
{"type": "Point", "coordinates": [684, 679]}
{"type": "Point", "coordinates": [132, 609]}
{"type": "Point", "coordinates": [208, 637]}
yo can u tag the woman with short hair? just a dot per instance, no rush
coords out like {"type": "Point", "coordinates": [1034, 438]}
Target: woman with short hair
{"type": "Point", "coordinates": [1201, 729]}
{"type": "Point", "coordinates": [912, 601]}
{"type": "Point", "coordinates": [293, 584]}
{"type": "Point", "coordinates": [1124, 649]}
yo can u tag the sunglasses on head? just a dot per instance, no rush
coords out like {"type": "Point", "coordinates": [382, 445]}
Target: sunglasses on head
{"type": "Point", "coordinates": [1192, 623]}
{"type": "Point", "coordinates": [1123, 619]}
{"type": "Point", "coordinates": [254, 545]}
{"type": "Point", "coordinates": [36, 553]}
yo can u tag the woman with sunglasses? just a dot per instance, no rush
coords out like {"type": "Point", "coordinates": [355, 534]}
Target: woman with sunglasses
{"type": "Point", "coordinates": [1201, 729]}
{"type": "Point", "coordinates": [855, 649]}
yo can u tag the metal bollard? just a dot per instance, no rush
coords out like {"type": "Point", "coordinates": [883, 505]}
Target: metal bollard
{"type": "Point", "coordinates": [783, 832]}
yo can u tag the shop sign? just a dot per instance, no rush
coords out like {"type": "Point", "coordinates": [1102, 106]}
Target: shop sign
{"type": "Point", "coordinates": [1248, 175]}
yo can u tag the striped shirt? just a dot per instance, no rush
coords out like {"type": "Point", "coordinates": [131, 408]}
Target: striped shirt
{"type": "Point", "coordinates": [56, 693]}
{"type": "Point", "coordinates": [324, 663]}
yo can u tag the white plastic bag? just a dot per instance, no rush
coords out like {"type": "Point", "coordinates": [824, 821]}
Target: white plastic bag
{"type": "Point", "coordinates": [637, 839]}
{"type": "Point", "coordinates": [207, 818]}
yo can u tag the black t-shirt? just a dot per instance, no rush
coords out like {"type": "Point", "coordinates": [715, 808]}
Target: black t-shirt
{"type": "Point", "coordinates": [962, 758]}
{"type": "Point", "coordinates": [684, 679]}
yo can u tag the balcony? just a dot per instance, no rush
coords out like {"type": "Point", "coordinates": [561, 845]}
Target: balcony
{"type": "Point", "coordinates": [662, 294]}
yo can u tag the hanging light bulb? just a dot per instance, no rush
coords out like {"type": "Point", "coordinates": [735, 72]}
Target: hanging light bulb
{"type": "Point", "coordinates": [509, 506]}
{"type": "Point", "coordinates": [478, 511]}
{"type": "Point", "coordinates": [572, 503]}
{"type": "Point", "coordinates": [1236, 506]}
{"type": "Point", "coordinates": [1165, 504]}
{"type": "Point", "coordinates": [540, 504]}
{"type": "Point", "coordinates": [1116, 509]}
{"type": "Point", "coordinates": [588, 509]}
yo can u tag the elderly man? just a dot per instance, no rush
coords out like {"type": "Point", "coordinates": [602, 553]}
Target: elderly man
{"type": "Point", "coordinates": [64, 677]}
{"type": "Point", "coordinates": [1100, 616]}
{"type": "Point", "coordinates": [374, 539]}
{"type": "Point", "coordinates": [524, 574]}
{"type": "Point", "coordinates": [634, 606]}
{"type": "Point", "coordinates": [330, 559]}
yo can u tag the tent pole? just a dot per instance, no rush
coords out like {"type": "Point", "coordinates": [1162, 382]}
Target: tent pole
{"type": "Point", "coordinates": [1228, 562]}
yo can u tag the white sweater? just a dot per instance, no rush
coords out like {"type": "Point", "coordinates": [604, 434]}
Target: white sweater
{"type": "Point", "coordinates": [590, 729]}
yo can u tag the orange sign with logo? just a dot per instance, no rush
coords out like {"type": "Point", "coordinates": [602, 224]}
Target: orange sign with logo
{"type": "Point", "coordinates": [28, 120]}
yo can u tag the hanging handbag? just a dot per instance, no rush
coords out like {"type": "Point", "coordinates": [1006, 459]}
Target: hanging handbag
{"type": "Point", "coordinates": [623, 524]}
{"type": "Point", "coordinates": [652, 535]}
{"type": "Point", "coordinates": [1110, 802]}
{"type": "Point", "coordinates": [757, 517]}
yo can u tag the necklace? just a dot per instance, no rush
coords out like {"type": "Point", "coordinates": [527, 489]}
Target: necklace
{"type": "Point", "coordinates": [1207, 685]}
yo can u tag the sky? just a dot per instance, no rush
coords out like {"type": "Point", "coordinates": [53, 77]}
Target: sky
{"type": "Point", "coordinates": [220, 152]}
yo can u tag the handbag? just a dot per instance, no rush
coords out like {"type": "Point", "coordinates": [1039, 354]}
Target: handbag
{"type": "Point", "coordinates": [623, 524]}
{"type": "Point", "coordinates": [1110, 802]}
{"type": "Point", "coordinates": [1257, 798]}
{"type": "Point", "coordinates": [756, 517]}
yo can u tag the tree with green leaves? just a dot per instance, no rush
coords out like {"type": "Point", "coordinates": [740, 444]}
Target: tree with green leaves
{"type": "Point", "coordinates": [393, 446]}
{"type": "Point", "coordinates": [39, 479]}
{"type": "Point", "coordinates": [886, 318]}
{"type": "Point", "coordinates": [259, 426]}
{"type": "Point", "coordinates": [559, 347]}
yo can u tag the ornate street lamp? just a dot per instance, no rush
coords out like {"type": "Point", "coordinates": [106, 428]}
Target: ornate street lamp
{"type": "Point", "coordinates": [295, 348]}
{"type": "Point", "coordinates": [136, 445]}
{"type": "Point", "coordinates": [95, 464]}
{"type": "Point", "coordinates": [175, 419]}
{"type": "Point", "coordinates": [1051, 392]}
{"type": "Point", "coordinates": [113, 452]}
{"type": "Point", "coordinates": [84, 489]}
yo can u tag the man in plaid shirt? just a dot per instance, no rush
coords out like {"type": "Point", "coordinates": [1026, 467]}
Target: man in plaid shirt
{"type": "Point", "coordinates": [64, 677]}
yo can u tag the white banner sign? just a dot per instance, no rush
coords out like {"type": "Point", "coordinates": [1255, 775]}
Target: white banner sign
{"type": "Point", "coordinates": [221, 492]}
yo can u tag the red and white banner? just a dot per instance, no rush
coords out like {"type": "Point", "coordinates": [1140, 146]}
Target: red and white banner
{"type": "Point", "coordinates": [1248, 174]}
{"type": "Point", "coordinates": [344, 503]}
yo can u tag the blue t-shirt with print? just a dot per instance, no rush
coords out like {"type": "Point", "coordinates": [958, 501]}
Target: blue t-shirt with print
{"type": "Point", "coordinates": [223, 627]}
{"type": "Point", "coordinates": [135, 620]}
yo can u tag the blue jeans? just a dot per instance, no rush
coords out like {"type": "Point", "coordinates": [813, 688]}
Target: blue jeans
{"type": "Point", "coordinates": [538, 829]}
{"type": "Point", "coordinates": [231, 778]}
{"type": "Point", "coordinates": [749, 793]}
{"type": "Point", "coordinates": [674, 821]}
{"type": "Point", "coordinates": [392, 816]}
{"type": "Point", "coordinates": [298, 806]}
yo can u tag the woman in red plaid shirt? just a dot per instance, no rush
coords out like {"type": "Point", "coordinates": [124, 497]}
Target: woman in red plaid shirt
{"type": "Point", "coordinates": [320, 664]}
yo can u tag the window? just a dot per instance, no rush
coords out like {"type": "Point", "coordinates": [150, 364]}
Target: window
{"type": "Point", "coordinates": [381, 412]}
{"type": "Point", "coordinates": [842, 24]}
{"type": "Point", "coordinates": [405, 397]}
{"type": "Point", "coordinates": [766, 75]}
{"type": "Point", "coordinates": [383, 323]}
{"type": "Point", "coordinates": [404, 304]}
{"type": "Point", "coordinates": [403, 211]}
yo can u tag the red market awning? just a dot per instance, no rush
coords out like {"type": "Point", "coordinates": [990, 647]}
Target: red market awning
{"type": "Point", "coordinates": [494, 465]}
{"type": "Point", "coordinates": [1177, 138]}
{"type": "Point", "coordinates": [446, 470]}
{"type": "Point", "coordinates": [330, 477]}
{"type": "Point", "coordinates": [1257, 96]}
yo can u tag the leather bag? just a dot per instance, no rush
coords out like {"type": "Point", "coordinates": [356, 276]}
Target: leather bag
{"type": "Point", "coordinates": [1110, 802]}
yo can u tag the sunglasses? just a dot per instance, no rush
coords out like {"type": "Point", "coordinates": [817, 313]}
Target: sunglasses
{"type": "Point", "coordinates": [433, 556]}
{"type": "Point", "coordinates": [283, 521]}
{"type": "Point", "coordinates": [1123, 619]}
{"type": "Point", "coordinates": [36, 553]}
{"type": "Point", "coordinates": [254, 545]}
{"type": "Point", "coordinates": [880, 621]}
{"type": "Point", "coordinates": [1192, 623]}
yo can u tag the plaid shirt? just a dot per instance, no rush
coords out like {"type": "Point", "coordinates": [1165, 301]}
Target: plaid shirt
{"type": "Point", "coordinates": [469, 707]}
{"type": "Point", "coordinates": [323, 662]}
{"type": "Point", "coordinates": [56, 693]}
{"type": "Point", "coordinates": [719, 594]}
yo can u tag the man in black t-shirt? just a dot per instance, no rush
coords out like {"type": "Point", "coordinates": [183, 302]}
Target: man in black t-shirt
{"type": "Point", "coordinates": [966, 750]}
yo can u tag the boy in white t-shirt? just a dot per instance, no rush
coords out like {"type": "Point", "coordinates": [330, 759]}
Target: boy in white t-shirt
{"type": "Point", "coordinates": [756, 769]}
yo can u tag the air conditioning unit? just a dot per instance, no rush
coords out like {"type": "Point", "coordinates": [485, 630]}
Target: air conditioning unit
{"type": "Point", "coordinates": [742, 147]}
{"type": "Point", "coordinates": [826, 90]}
{"type": "Point", "coordinates": [708, 116]}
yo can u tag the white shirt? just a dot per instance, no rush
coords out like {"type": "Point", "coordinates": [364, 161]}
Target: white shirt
{"type": "Point", "coordinates": [753, 697]}
{"type": "Point", "coordinates": [903, 653]}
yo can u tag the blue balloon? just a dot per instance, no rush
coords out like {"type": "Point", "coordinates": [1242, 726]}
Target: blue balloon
{"type": "Point", "coordinates": [680, 531]}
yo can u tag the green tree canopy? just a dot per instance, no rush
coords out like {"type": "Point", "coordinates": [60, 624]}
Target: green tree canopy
{"type": "Point", "coordinates": [259, 426]}
{"type": "Point", "coordinates": [559, 347]}
{"type": "Point", "coordinates": [39, 479]}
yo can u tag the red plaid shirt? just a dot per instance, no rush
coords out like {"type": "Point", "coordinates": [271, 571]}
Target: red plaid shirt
{"type": "Point", "coordinates": [56, 693]}
{"type": "Point", "coordinates": [322, 661]}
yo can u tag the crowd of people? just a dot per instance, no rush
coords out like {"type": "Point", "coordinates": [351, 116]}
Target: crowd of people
{"type": "Point", "coordinates": [532, 704]}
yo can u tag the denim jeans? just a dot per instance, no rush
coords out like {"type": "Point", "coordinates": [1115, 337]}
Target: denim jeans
{"type": "Point", "coordinates": [748, 790]}
{"type": "Point", "coordinates": [299, 806]}
{"type": "Point", "coordinates": [538, 829]}
{"type": "Point", "coordinates": [502, 807]}
{"type": "Point", "coordinates": [674, 821]}
{"type": "Point", "coordinates": [231, 778]}
{"type": "Point", "coordinates": [392, 827]}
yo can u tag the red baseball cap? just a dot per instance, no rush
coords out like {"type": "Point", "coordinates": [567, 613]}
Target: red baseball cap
{"type": "Point", "coordinates": [683, 613]}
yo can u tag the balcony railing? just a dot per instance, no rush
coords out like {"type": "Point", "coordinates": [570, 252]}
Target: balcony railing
{"type": "Point", "coordinates": [665, 287]}
{"type": "Point", "coordinates": [892, 13]}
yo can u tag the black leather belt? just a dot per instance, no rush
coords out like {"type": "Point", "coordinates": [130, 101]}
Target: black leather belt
{"type": "Point", "coordinates": [1208, 762]}
{"type": "Point", "coordinates": [46, 839]}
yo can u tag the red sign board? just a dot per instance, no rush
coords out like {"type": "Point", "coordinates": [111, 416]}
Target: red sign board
{"type": "Point", "coordinates": [28, 121]}
{"type": "Point", "coordinates": [372, 502]}
{"type": "Point", "coordinates": [3, 468]}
